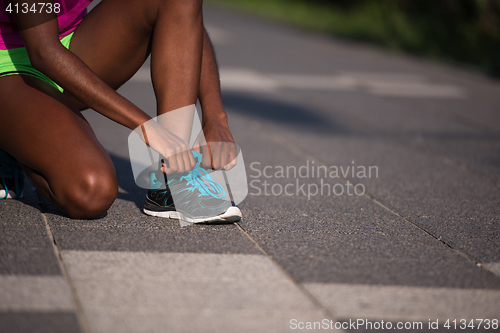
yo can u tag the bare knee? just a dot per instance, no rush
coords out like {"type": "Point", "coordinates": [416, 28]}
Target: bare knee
{"type": "Point", "coordinates": [92, 195]}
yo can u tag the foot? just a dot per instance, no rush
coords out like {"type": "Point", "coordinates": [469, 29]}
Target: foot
{"type": "Point", "coordinates": [192, 196]}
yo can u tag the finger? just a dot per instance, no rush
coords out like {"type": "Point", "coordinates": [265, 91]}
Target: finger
{"type": "Point", "coordinates": [215, 148]}
{"type": "Point", "coordinates": [224, 156]}
{"type": "Point", "coordinates": [233, 155]}
{"type": "Point", "coordinates": [170, 153]}
{"type": "Point", "coordinates": [179, 157]}
{"type": "Point", "coordinates": [206, 160]}
{"type": "Point", "coordinates": [172, 165]}
{"type": "Point", "coordinates": [164, 166]}
{"type": "Point", "coordinates": [196, 148]}
{"type": "Point", "coordinates": [200, 141]}
{"type": "Point", "coordinates": [192, 160]}
{"type": "Point", "coordinates": [188, 163]}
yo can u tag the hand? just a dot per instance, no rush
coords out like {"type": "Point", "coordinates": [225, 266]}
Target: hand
{"type": "Point", "coordinates": [216, 144]}
{"type": "Point", "coordinates": [178, 158]}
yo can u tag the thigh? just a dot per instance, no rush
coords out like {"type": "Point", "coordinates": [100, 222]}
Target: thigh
{"type": "Point", "coordinates": [40, 128]}
{"type": "Point", "coordinates": [114, 38]}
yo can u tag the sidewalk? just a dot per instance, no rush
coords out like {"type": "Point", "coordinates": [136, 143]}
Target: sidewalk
{"type": "Point", "coordinates": [419, 241]}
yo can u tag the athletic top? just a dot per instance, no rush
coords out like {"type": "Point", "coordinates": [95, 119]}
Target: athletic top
{"type": "Point", "coordinates": [70, 15]}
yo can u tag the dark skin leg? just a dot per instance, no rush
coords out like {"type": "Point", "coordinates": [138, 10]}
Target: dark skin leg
{"type": "Point", "coordinates": [56, 147]}
{"type": "Point", "coordinates": [183, 60]}
{"type": "Point", "coordinates": [75, 173]}
{"type": "Point", "coordinates": [123, 33]}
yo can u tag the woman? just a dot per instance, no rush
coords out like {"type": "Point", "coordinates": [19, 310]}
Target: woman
{"type": "Point", "coordinates": [52, 66]}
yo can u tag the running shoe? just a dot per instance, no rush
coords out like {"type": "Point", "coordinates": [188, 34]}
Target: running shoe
{"type": "Point", "coordinates": [193, 196]}
{"type": "Point", "coordinates": [11, 177]}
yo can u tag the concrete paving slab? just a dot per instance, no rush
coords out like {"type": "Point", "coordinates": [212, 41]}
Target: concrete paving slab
{"type": "Point", "coordinates": [358, 270]}
{"type": "Point", "coordinates": [340, 215]}
{"type": "Point", "coordinates": [406, 303]}
{"type": "Point", "coordinates": [40, 322]}
{"type": "Point", "coordinates": [25, 247]}
{"type": "Point", "coordinates": [171, 266]}
{"type": "Point", "coordinates": [449, 202]}
{"type": "Point", "coordinates": [141, 233]}
{"type": "Point", "coordinates": [207, 320]}
{"type": "Point", "coordinates": [150, 292]}
{"type": "Point", "coordinates": [493, 267]}
{"type": "Point", "coordinates": [34, 293]}
{"type": "Point", "coordinates": [153, 293]}
{"type": "Point", "coordinates": [370, 246]}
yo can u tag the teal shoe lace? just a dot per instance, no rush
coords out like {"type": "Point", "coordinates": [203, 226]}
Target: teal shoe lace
{"type": "Point", "coordinates": [196, 179]}
{"type": "Point", "coordinates": [9, 168]}
{"type": "Point", "coordinates": [199, 179]}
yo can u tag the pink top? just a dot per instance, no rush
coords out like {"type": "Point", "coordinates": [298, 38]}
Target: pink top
{"type": "Point", "coordinates": [71, 14]}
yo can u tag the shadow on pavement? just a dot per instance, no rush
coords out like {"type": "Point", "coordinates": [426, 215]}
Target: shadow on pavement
{"type": "Point", "coordinates": [280, 112]}
{"type": "Point", "coordinates": [129, 191]}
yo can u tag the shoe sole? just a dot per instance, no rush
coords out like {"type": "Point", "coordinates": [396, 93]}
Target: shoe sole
{"type": "Point", "coordinates": [11, 195]}
{"type": "Point", "coordinates": [232, 215]}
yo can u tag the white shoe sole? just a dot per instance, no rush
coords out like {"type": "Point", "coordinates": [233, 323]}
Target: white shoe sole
{"type": "Point", "coordinates": [11, 195]}
{"type": "Point", "coordinates": [232, 215]}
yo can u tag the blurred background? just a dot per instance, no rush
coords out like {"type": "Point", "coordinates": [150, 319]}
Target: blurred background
{"type": "Point", "coordinates": [466, 31]}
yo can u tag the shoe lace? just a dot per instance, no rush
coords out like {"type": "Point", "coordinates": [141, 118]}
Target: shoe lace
{"type": "Point", "coordinates": [199, 179]}
{"type": "Point", "coordinates": [9, 168]}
